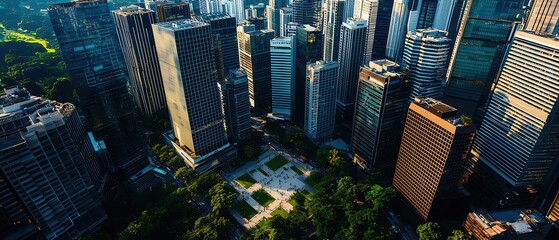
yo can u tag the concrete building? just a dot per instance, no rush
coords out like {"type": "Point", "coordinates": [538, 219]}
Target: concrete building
{"type": "Point", "coordinates": [94, 62]}
{"type": "Point", "coordinates": [513, 141]}
{"type": "Point", "coordinates": [254, 57]}
{"type": "Point", "coordinates": [543, 17]}
{"type": "Point", "coordinates": [507, 225]}
{"type": "Point", "coordinates": [282, 59]}
{"type": "Point", "coordinates": [479, 52]}
{"type": "Point", "coordinates": [332, 25]}
{"type": "Point", "coordinates": [173, 11]}
{"type": "Point", "coordinates": [133, 25]}
{"type": "Point", "coordinates": [236, 105]}
{"type": "Point", "coordinates": [352, 46]}
{"type": "Point", "coordinates": [380, 113]}
{"type": "Point", "coordinates": [46, 183]}
{"type": "Point", "coordinates": [320, 99]}
{"type": "Point", "coordinates": [286, 14]}
{"type": "Point", "coordinates": [426, 55]}
{"type": "Point", "coordinates": [225, 45]}
{"type": "Point", "coordinates": [367, 10]}
{"type": "Point", "coordinates": [193, 97]}
{"type": "Point", "coordinates": [306, 11]}
{"type": "Point", "coordinates": [398, 29]}
{"type": "Point", "coordinates": [309, 50]}
{"type": "Point", "coordinates": [434, 146]}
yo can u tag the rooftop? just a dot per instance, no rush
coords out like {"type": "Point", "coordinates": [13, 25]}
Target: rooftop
{"type": "Point", "coordinates": [131, 10]}
{"type": "Point", "coordinates": [211, 16]}
{"type": "Point", "coordinates": [181, 24]}
{"type": "Point", "coordinates": [442, 110]}
{"type": "Point", "coordinates": [513, 222]}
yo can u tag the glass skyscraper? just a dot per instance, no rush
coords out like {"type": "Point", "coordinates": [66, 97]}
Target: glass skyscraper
{"type": "Point", "coordinates": [486, 30]}
{"type": "Point", "coordinates": [282, 60]}
{"type": "Point", "coordinates": [332, 24]}
{"type": "Point", "coordinates": [236, 105]}
{"type": "Point", "coordinates": [309, 49]}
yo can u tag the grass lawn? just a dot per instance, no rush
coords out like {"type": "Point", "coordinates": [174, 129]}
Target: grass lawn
{"type": "Point", "coordinates": [279, 211]}
{"type": "Point", "coordinates": [262, 197]}
{"type": "Point", "coordinates": [297, 170]}
{"type": "Point", "coordinates": [263, 172]}
{"type": "Point", "coordinates": [292, 202]}
{"type": "Point", "coordinates": [244, 209]}
{"type": "Point", "coordinates": [246, 180]}
{"type": "Point", "coordinates": [276, 162]}
{"type": "Point", "coordinates": [11, 35]}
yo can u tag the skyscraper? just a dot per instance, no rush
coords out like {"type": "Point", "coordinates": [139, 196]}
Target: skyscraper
{"type": "Point", "coordinates": [427, 11]}
{"type": "Point", "coordinates": [286, 13]}
{"type": "Point", "coordinates": [190, 86]}
{"type": "Point", "coordinates": [448, 17]}
{"type": "Point", "coordinates": [398, 29]}
{"type": "Point", "coordinates": [44, 179]}
{"type": "Point", "coordinates": [481, 45]}
{"type": "Point", "coordinates": [172, 12]}
{"type": "Point", "coordinates": [273, 15]}
{"type": "Point", "coordinates": [282, 59]}
{"type": "Point", "coordinates": [309, 49]}
{"type": "Point", "coordinates": [236, 105]}
{"type": "Point", "coordinates": [352, 46]}
{"type": "Point", "coordinates": [380, 111]}
{"type": "Point", "coordinates": [425, 55]}
{"type": "Point", "coordinates": [306, 11]}
{"type": "Point", "coordinates": [544, 17]}
{"type": "Point", "coordinates": [382, 25]}
{"type": "Point", "coordinates": [320, 99]}
{"type": "Point", "coordinates": [334, 19]}
{"type": "Point", "coordinates": [435, 144]}
{"type": "Point", "coordinates": [133, 27]}
{"type": "Point", "coordinates": [224, 36]}
{"type": "Point", "coordinates": [89, 45]}
{"type": "Point", "coordinates": [254, 56]}
{"type": "Point", "coordinates": [368, 9]}
{"type": "Point", "coordinates": [517, 139]}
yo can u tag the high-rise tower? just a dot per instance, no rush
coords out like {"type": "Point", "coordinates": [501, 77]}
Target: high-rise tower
{"type": "Point", "coordinates": [282, 59]}
{"type": "Point", "coordinates": [544, 17]}
{"type": "Point", "coordinates": [332, 24]}
{"type": "Point", "coordinates": [309, 49]}
{"type": "Point", "coordinates": [236, 105]}
{"type": "Point", "coordinates": [306, 11]}
{"type": "Point", "coordinates": [426, 54]}
{"type": "Point", "coordinates": [320, 99]}
{"type": "Point", "coordinates": [435, 144]}
{"type": "Point", "coordinates": [380, 111]}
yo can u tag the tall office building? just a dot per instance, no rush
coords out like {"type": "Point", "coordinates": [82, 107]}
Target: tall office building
{"type": "Point", "coordinates": [398, 29]}
{"type": "Point", "coordinates": [152, 4]}
{"type": "Point", "coordinates": [487, 27]}
{"type": "Point", "coordinates": [352, 46]}
{"type": "Point", "coordinates": [543, 17]}
{"type": "Point", "coordinates": [234, 8]}
{"type": "Point", "coordinates": [368, 9]}
{"type": "Point", "coordinates": [309, 49]}
{"type": "Point", "coordinates": [448, 17]}
{"type": "Point", "coordinates": [382, 25]}
{"type": "Point", "coordinates": [172, 12]}
{"type": "Point", "coordinates": [44, 179]}
{"type": "Point", "coordinates": [133, 27]}
{"type": "Point", "coordinates": [427, 12]}
{"type": "Point", "coordinates": [286, 14]}
{"type": "Point", "coordinates": [89, 45]}
{"type": "Point", "coordinates": [236, 105]}
{"type": "Point", "coordinates": [332, 25]}
{"type": "Point", "coordinates": [226, 49]}
{"type": "Point", "coordinates": [306, 11]}
{"type": "Point", "coordinates": [192, 94]}
{"type": "Point", "coordinates": [380, 112]}
{"type": "Point", "coordinates": [320, 99]}
{"type": "Point", "coordinates": [517, 140]}
{"type": "Point", "coordinates": [256, 11]}
{"type": "Point", "coordinates": [434, 146]}
{"type": "Point", "coordinates": [273, 15]}
{"type": "Point", "coordinates": [282, 59]}
{"type": "Point", "coordinates": [254, 57]}
{"type": "Point", "coordinates": [426, 54]}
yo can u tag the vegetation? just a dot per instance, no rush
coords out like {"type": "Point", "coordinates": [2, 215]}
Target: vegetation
{"type": "Point", "coordinates": [334, 163]}
{"type": "Point", "coordinates": [263, 172]}
{"type": "Point", "coordinates": [168, 156]}
{"type": "Point", "coordinates": [222, 197]}
{"type": "Point", "coordinates": [279, 211]}
{"type": "Point", "coordinates": [246, 180]}
{"type": "Point", "coordinates": [277, 162]}
{"type": "Point", "coordinates": [244, 209]}
{"type": "Point", "coordinates": [429, 231]}
{"type": "Point", "coordinates": [263, 197]}
{"type": "Point", "coordinates": [298, 141]}
{"type": "Point", "coordinates": [297, 170]}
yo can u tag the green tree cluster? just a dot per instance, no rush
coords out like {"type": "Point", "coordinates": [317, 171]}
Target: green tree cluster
{"type": "Point", "coordinates": [168, 156]}
{"type": "Point", "coordinates": [434, 231]}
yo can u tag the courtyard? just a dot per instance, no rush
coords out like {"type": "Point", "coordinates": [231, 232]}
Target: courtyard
{"type": "Point", "coordinates": [265, 185]}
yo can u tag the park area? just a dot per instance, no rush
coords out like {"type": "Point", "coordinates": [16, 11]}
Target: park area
{"type": "Point", "coordinates": [265, 186]}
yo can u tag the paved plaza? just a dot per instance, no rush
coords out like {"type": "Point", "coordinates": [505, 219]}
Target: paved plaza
{"type": "Point", "coordinates": [280, 184]}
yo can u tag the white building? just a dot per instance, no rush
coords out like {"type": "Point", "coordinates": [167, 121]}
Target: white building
{"type": "Point", "coordinates": [320, 99]}
{"type": "Point", "coordinates": [282, 58]}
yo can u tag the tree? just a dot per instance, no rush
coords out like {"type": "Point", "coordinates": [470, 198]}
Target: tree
{"type": "Point", "coordinates": [334, 160]}
{"type": "Point", "coordinates": [458, 235]}
{"type": "Point", "coordinates": [187, 174]}
{"type": "Point", "coordinates": [210, 227]}
{"type": "Point", "coordinates": [203, 183]}
{"type": "Point", "coordinates": [249, 153]}
{"type": "Point", "coordinates": [222, 197]}
{"type": "Point", "coordinates": [429, 231]}
{"type": "Point", "coordinates": [145, 227]}
{"type": "Point", "coordinates": [322, 156]}
{"type": "Point", "coordinates": [380, 196]}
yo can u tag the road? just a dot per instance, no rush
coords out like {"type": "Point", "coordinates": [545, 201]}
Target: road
{"type": "Point", "coordinates": [406, 231]}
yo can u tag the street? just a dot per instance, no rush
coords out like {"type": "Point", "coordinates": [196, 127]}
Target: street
{"type": "Point", "coordinates": [406, 231]}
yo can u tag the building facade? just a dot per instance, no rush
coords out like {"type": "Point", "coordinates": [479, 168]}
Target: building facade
{"type": "Point", "coordinates": [426, 55]}
{"type": "Point", "coordinates": [434, 147]}
{"type": "Point", "coordinates": [479, 52]}
{"type": "Point", "coordinates": [320, 99]}
{"type": "Point", "coordinates": [236, 105]}
{"type": "Point", "coordinates": [306, 11]}
{"type": "Point", "coordinates": [380, 112]}
{"type": "Point", "coordinates": [332, 25]}
{"type": "Point", "coordinates": [187, 63]}
{"type": "Point", "coordinates": [173, 11]}
{"type": "Point", "coordinates": [543, 17]}
{"type": "Point", "coordinates": [352, 46]}
{"type": "Point", "coordinates": [286, 14]}
{"type": "Point", "coordinates": [309, 49]}
{"type": "Point", "coordinates": [282, 59]}
{"type": "Point", "coordinates": [254, 58]}
{"type": "Point", "coordinates": [398, 29]}
{"type": "Point", "coordinates": [133, 27]}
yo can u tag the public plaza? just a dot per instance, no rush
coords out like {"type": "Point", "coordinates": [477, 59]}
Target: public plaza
{"type": "Point", "coordinates": [266, 184]}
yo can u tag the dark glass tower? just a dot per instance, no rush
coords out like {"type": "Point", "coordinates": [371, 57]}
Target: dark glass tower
{"type": "Point", "coordinates": [309, 50]}
{"type": "Point", "coordinates": [487, 27]}
{"type": "Point", "coordinates": [236, 105]}
{"type": "Point", "coordinates": [173, 11]}
{"type": "Point", "coordinates": [384, 14]}
{"type": "Point", "coordinates": [332, 23]}
{"type": "Point", "coordinates": [88, 42]}
{"type": "Point", "coordinates": [226, 49]}
{"type": "Point", "coordinates": [306, 11]}
{"type": "Point", "coordinates": [133, 27]}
